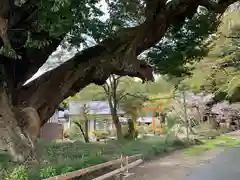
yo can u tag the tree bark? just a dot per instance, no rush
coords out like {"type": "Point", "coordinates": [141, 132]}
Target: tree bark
{"type": "Point", "coordinates": [118, 126]}
{"type": "Point", "coordinates": [15, 138]}
{"type": "Point", "coordinates": [110, 89]}
{"type": "Point", "coordinates": [86, 128]}
{"type": "Point", "coordinates": [86, 132]}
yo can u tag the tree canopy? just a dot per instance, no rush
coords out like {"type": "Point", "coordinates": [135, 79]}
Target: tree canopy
{"type": "Point", "coordinates": [36, 29]}
{"type": "Point", "coordinates": [221, 65]}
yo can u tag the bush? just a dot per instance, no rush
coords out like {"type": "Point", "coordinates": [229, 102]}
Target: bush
{"type": "Point", "coordinates": [47, 172]}
{"type": "Point", "coordinates": [19, 173]}
{"type": "Point", "coordinates": [144, 129]}
{"type": "Point", "coordinates": [74, 133]}
{"type": "Point", "coordinates": [124, 131]}
{"type": "Point", "coordinates": [100, 134]}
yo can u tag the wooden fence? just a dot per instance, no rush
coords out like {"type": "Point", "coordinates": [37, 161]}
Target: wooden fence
{"type": "Point", "coordinates": [122, 170]}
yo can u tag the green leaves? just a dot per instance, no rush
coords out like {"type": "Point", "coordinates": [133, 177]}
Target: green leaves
{"type": "Point", "coordinates": [91, 93]}
{"type": "Point", "coordinates": [126, 13]}
{"type": "Point", "coordinates": [74, 18]}
{"type": "Point", "coordinates": [180, 48]}
{"type": "Point", "coordinates": [220, 66]}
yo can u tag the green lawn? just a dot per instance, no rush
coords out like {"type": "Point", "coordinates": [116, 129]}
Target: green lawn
{"type": "Point", "coordinates": [60, 158]}
{"type": "Point", "coordinates": [220, 141]}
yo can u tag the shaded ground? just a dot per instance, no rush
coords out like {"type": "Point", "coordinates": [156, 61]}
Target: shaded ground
{"type": "Point", "coordinates": [202, 162]}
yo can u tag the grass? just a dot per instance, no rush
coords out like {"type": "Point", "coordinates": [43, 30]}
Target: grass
{"type": "Point", "coordinates": [65, 157]}
{"type": "Point", "coordinates": [223, 141]}
{"type": "Point", "coordinates": [59, 158]}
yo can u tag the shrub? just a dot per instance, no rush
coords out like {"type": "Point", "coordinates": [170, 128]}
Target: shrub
{"type": "Point", "coordinates": [74, 132]}
{"type": "Point", "coordinates": [100, 134]}
{"type": "Point", "coordinates": [144, 129]}
{"type": "Point", "coordinates": [19, 173]}
{"type": "Point", "coordinates": [47, 172]}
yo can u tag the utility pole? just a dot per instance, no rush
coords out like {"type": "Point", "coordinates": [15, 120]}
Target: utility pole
{"type": "Point", "coordinates": [185, 113]}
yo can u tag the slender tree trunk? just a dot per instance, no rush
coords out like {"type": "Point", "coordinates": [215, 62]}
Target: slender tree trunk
{"type": "Point", "coordinates": [118, 126]}
{"type": "Point", "coordinates": [94, 124]}
{"type": "Point", "coordinates": [116, 122]}
{"type": "Point", "coordinates": [134, 119]}
{"type": "Point", "coordinates": [82, 131]}
{"type": "Point", "coordinates": [86, 131]}
{"type": "Point", "coordinates": [86, 121]}
{"type": "Point", "coordinates": [115, 119]}
{"type": "Point", "coordinates": [12, 136]}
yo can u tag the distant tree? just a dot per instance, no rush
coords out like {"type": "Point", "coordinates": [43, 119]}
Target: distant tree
{"type": "Point", "coordinates": [91, 93]}
{"type": "Point", "coordinates": [111, 88]}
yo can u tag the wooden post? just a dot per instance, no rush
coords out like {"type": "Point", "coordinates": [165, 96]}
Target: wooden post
{"type": "Point", "coordinates": [127, 164]}
{"type": "Point", "coordinates": [121, 161]}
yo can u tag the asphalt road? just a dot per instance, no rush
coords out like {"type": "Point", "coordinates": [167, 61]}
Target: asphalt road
{"type": "Point", "coordinates": [226, 166]}
{"type": "Point", "coordinates": [216, 164]}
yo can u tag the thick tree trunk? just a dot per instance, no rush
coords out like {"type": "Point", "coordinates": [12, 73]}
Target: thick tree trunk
{"type": "Point", "coordinates": [15, 140]}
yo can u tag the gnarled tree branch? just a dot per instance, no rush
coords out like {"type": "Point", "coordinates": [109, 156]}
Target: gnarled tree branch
{"type": "Point", "coordinates": [116, 55]}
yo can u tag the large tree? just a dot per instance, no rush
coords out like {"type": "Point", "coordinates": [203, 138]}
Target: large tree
{"type": "Point", "coordinates": [32, 30]}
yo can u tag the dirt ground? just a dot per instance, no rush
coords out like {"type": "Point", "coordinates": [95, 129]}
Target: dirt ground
{"type": "Point", "coordinates": [176, 166]}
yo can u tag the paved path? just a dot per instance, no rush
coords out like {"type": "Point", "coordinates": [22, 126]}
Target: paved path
{"type": "Point", "coordinates": [216, 164]}
{"type": "Point", "coordinates": [224, 167]}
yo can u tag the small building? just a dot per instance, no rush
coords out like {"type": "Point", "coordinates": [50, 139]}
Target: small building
{"type": "Point", "coordinates": [97, 112]}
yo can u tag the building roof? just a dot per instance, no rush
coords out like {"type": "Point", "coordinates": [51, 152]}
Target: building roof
{"type": "Point", "coordinates": [92, 107]}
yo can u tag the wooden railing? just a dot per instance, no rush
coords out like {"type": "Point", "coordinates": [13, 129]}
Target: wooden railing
{"type": "Point", "coordinates": [123, 163]}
